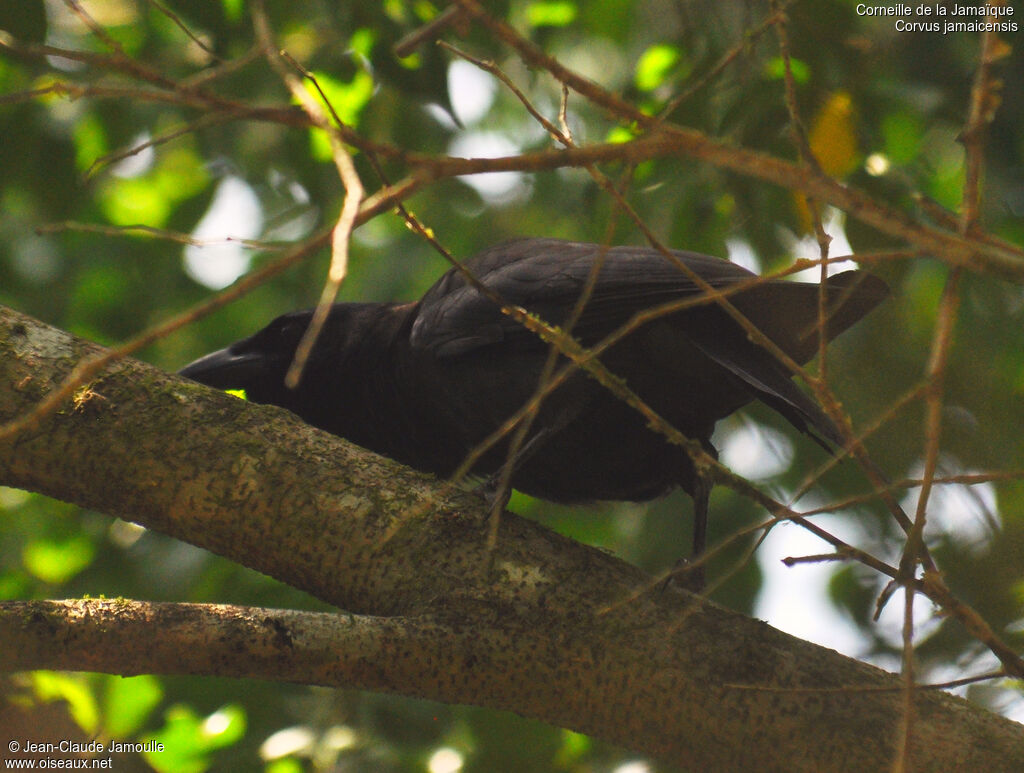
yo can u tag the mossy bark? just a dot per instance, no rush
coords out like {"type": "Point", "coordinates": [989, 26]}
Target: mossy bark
{"type": "Point", "coordinates": [541, 625]}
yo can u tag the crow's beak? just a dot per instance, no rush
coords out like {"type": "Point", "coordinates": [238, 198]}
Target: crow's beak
{"type": "Point", "coordinates": [225, 369]}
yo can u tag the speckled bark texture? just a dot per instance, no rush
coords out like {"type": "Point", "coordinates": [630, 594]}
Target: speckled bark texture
{"type": "Point", "coordinates": [543, 626]}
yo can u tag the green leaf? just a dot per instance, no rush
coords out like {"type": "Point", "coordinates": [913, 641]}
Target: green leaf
{"type": "Point", "coordinates": [903, 136]}
{"type": "Point", "coordinates": [620, 134]}
{"type": "Point", "coordinates": [921, 291]}
{"type": "Point", "coordinates": [188, 741]}
{"type": "Point", "coordinates": [655, 65]}
{"type": "Point", "coordinates": [575, 746]}
{"type": "Point", "coordinates": [224, 727]}
{"type": "Point", "coordinates": [72, 688]}
{"type": "Point", "coordinates": [150, 198]}
{"type": "Point", "coordinates": [285, 765]}
{"type": "Point", "coordinates": [556, 13]}
{"type": "Point", "coordinates": [946, 158]}
{"type": "Point", "coordinates": [57, 561]}
{"type": "Point", "coordinates": [362, 41]}
{"type": "Point", "coordinates": [134, 200]}
{"type": "Point", "coordinates": [180, 746]}
{"type": "Point", "coordinates": [14, 584]}
{"type": "Point", "coordinates": [775, 69]}
{"type": "Point", "coordinates": [90, 141]}
{"type": "Point", "coordinates": [128, 702]}
{"type": "Point", "coordinates": [346, 99]}
{"type": "Point", "coordinates": [233, 9]}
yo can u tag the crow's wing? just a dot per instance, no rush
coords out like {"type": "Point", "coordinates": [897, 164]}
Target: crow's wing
{"type": "Point", "coordinates": [769, 381]}
{"type": "Point", "coordinates": [546, 277]}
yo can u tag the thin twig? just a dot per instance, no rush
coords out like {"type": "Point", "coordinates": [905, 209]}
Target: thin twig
{"type": "Point", "coordinates": [213, 119]}
{"type": "Point", "coordinates": [429, 31]}
{"type": "Point", "coordinates": [894, 409]}
{"type": "Point", "coordinates": [967, 680]}
{"type": "Point", "coordinates": [157, 233]}
{"type": "Point", "coordinates": [750, 36]}
{"type": "Point", "coordinates": [346, 171]}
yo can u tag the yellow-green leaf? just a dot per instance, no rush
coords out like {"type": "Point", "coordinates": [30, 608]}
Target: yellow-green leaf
{"type": "Point", "coordinates": [655, 65]}
{"type": "Point", "coordinates": [556, 13]}
{"type": "Point", "coordinates": [56, 561]}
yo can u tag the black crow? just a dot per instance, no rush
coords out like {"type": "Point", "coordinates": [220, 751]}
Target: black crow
{"type": "Point", "coordinates": [424, 383]}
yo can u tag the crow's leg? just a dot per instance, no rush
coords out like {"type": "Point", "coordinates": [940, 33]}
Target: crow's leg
{"type": "Point", "coordinates": [489, 487]}
{"type": "Point", "coordinates": [689, 573]}
{"type": "Point", "coordinates": [693, 579]}
{"type": "Point", "coordinates": [552, 424]}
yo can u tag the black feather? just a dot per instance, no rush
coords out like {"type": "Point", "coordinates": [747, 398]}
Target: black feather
{"type": "Point", "coordinates": [426, 382]}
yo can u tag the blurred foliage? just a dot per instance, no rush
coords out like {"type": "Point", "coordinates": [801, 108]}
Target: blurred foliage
{"type": "Point", "coordinates": [884, 110]}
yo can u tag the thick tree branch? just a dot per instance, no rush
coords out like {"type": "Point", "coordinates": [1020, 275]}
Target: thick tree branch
{"type": "Point", "coordinates": [133, 637]}
{"type": "Point", "coordinates": [525, 628]}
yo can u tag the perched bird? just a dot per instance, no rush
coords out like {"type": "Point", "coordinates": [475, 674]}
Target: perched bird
{"type": "Point", "coordinates": [424, 383]}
